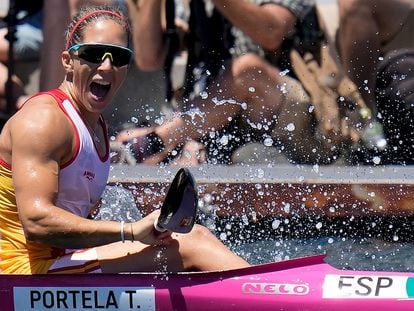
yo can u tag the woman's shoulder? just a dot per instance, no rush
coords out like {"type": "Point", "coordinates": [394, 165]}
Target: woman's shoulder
{"type": "Point", "coordinates": [41, 115]}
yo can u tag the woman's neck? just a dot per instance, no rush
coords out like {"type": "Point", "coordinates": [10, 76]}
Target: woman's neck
{"type": "Point", "coordinates": [90, 118]}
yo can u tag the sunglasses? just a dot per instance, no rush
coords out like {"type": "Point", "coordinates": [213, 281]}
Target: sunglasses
{"type": "Point", "coordinates": [96, 53]}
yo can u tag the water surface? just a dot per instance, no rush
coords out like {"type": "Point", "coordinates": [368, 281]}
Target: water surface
{"type": "Point", "coordinates": [361, 244]}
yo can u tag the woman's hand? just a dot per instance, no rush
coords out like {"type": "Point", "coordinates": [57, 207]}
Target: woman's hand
{"type": "Point", "coordinates": [144, 231]}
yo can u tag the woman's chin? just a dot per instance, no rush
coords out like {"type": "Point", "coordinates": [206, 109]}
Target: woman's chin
{"type": "Point", "coordinates": [98, 102]}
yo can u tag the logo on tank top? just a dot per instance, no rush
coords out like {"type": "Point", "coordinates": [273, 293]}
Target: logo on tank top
{"type": "Point", "coordinates": [89, 175]}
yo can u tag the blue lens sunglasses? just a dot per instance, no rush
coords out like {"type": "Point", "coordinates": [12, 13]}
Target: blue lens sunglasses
{"type": "Point", "coordinates": [97, 52]}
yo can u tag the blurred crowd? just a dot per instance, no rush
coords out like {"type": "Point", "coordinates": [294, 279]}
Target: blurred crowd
{"type": "Point", "coordinates": [240, 81]}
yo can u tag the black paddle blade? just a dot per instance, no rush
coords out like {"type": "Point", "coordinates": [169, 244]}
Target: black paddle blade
{"type": "Point", "coordinates": [179, 210]}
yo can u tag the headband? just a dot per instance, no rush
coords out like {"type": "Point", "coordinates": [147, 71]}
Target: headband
{"type": "Point", "coordinates": [84, 17]}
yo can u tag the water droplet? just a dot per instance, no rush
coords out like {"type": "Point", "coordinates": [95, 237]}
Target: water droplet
{"type": "Point", "coordinates": [286, 208]}
{"type": "Point", "coordinates": [276, 224]}
{"type": "Point", "coordinates": [208, 198]}
{"type": "Point", "coordinates": [224, 140]}
{"type": "Point", "coordinates": [284, 72]}
{"type": "Point", "coordinates": [290, 127]}
{"type": "Point", "coordinates": [268, 142]}
{"type": "Point", "coordinates": [283, 88]}
{"type": "Point", "coordinates": [376, 160]}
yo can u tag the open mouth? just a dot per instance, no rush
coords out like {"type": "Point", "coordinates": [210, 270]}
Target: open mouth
{"type": "Point", "coordinates": [100, 89]}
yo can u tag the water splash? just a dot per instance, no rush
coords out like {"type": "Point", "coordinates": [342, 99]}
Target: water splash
{"type": "Point", "coordinates": [118, 204]}
{"type": "Point", "coordinates": [220, 102]}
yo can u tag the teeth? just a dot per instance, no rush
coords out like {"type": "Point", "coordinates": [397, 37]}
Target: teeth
{"type": "Point", "coordinates": [102, 82]}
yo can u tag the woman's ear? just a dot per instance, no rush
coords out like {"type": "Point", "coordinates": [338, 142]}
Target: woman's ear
{"type": "Point", "coordinates": [67, 62]}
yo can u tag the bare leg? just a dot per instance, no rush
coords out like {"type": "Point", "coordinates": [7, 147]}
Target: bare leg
{"type": "Point", "coordinates": [249, 89]}
{"type": "Point", "coordinates": [364, 26]}
{"type": "Point", "coordinates": [258, 83]}
{"type": "Point", "coordinates": [360, 49]}
{"type": "Point", "coordinates": [197, 250]}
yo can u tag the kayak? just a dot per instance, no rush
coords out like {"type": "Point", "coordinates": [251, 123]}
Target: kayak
{"type": "Point", "coordinates": [307, 283]}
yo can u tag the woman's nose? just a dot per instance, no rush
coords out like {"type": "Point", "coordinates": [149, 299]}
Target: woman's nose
{"type": "Point", "coordinates": [106, 61]}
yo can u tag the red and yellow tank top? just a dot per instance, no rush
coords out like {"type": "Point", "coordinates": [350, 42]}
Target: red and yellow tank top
{"type": "Point", "coordinates": [81, 183]}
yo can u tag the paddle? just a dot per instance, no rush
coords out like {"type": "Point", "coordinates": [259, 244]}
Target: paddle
{"type": "Point", "coordinates": [179, 209]}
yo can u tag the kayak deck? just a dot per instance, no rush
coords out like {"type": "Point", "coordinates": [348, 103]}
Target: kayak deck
{"type": "Point", "coordinates": [298, 284]}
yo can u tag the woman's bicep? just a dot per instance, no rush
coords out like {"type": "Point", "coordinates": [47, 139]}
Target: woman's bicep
{"type": "Point", "coordinates": [37, 153]}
